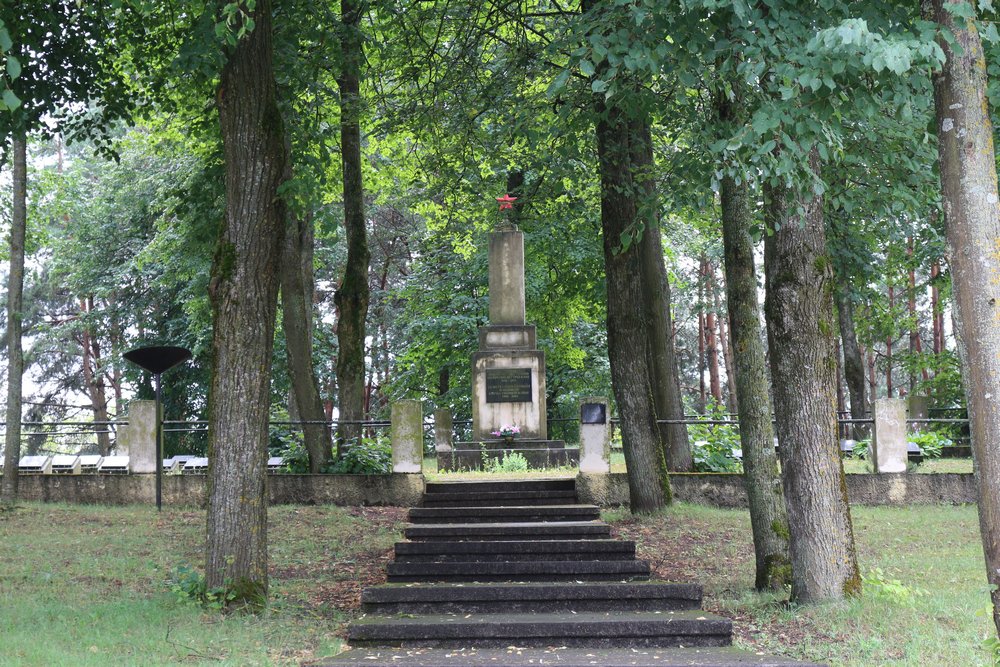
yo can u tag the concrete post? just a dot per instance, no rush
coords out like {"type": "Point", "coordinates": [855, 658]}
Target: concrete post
{"type": "Point", "coordinates": [918, 408]}
{"type": "Point", "coordinates": [507, 277]}
{"type": "Point", "coordinates": [407, 432]}
{"type": "Point", "coordinates": [442, 430]}
{"type": "Point", "coordinates": [138, 439]}
{"type": "Point", "coordinates": [595, 435]}
{"type": "Point", "coordinates": [889, 437]}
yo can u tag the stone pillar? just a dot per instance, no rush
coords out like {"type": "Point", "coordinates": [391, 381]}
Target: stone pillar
{"type": "Point", "coordinates": [507, 278]}
{"type": "Point", "coordinates": [442, 430]}
{"type": "Point", "coordinates": [889, 436]}
{"type": "Point", "coordinates": [595, 435]}
{"type": "Point", "coordinates": [138, 439]}
{"type": "Point", "coordinates": [918, 408]}
{"type": "Point", "coordinates": [407, 432]}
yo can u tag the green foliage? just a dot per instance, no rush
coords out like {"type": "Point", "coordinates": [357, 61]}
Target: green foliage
{"type": "Point", "coordinates": [189, 586]}
{"type": "Point", "coordinates": [930, 442]}
{"type": "Point", "coordinates": [991, 643]}
{"type": "Point", "coordinates": [507, 462]}
{"type": "Point", "coordinates": [862, 450]}
{"type": "Point", "coordinates": [713, 445]}
{"type": "Point", "coordinates": [371, 456]}
{"type": "Point", "coordinates": [878, 585]}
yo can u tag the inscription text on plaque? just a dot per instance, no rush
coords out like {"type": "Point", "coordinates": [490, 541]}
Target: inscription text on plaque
{"type": "Point", "coordinates": [508, 385]}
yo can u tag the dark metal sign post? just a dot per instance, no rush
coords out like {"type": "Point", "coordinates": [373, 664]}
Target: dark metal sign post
{"type": "Point", "coordinates": [156, 360]}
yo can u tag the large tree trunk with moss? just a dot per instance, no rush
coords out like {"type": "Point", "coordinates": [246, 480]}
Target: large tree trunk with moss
{"type": "Point", "coordinates": [799, 313]}
{"type": "Point", "coordinates": [15, 289]}
{"type": "Point", "coordinates": [244, 293]}
{"type": "Point", "coordinates": [659, 327]}
{"type": "Point", "coordinates": [760, 463]}
{"type": "Point", "coordinates": [296, 317]}
{"type": "Point", "coordinates": [352, 295]}
{"type": "Point", "coordinates": [628, 344]}
{"type": "Point", "coordinates": [972, 226]}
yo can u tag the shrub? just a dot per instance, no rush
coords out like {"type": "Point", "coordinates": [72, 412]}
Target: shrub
{"type": "Point", "coordinates": [930, 443]}
{"type": "Point", "coordinates": [370, 456]}
{"type": "Point", "coordinates": [188, 586]}
{"type": "Point", "coordinates": [714, 445]}
{"type": "Point", "coordinates": [877, 584]}
{"type": "Point", "coordinates": [862, 449]}
{"type": "Point", "coordinates": [507, 462]}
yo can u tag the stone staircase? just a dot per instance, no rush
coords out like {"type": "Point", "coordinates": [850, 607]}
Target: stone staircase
{"type": "Point", "coordinates": [517, 574]}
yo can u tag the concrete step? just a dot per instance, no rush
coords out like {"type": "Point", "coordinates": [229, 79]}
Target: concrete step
{"type": "Point", "coordinates": [540, 530]}
{"type": "Point", "coordinates": [496, 498]}
{"type": "Point", "coordinates": [512, 485]}
{"type": "Point", "coordinates": [440, 552]}
{"type": "Point", "coordinates": [590, 629]}
{"type": "Point", "coordinates": [537, 570]}
{"type": "Point", "coordinates": [505, 514]}
{"type": "Point", "coordinates": [528, 597]}
{"type": "Point", "coordinates": [559, 657]}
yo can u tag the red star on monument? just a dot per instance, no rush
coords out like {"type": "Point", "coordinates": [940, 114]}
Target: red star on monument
{"type": "Point", "coordinates": [506, 202]}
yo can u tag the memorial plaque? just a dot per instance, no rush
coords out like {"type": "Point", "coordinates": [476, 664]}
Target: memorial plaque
{"type": "Point", "coordinates": [593, 413]}
{"type": "Point", "coordinates": [508, 385]}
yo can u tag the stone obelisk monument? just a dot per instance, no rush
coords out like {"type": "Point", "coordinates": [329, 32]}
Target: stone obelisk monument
{"type": "Point", "coordinates": [508, 372]}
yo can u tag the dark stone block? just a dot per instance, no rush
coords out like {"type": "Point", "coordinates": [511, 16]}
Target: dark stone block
{"type": "Point", "coordinates": [592, 629]}
{"type": "Point", "coordinates": [472, 459]}
{"type": "Point", "coordinates": [559, 657]}
{"type": "Point", "coordinates": [518, 531]}
{"type": "Point", "coordinates": [505, 486]}
{"type": "Point", "coordinates": [529, 597]}
{"type": "Point", "coordinates": [538, 570]}
{"type": "Point", "coordinates": [515, 550]}
{"type": "Point", "coordinates": [494, 498]}
{"type": "Point", "coordinates": [504, 514]}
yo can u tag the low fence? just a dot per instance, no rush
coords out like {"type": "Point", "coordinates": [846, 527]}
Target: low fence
{"type": "Point", "coordinates": [80, 437]}
{"type": "Point", "coordinates": [405, 490]}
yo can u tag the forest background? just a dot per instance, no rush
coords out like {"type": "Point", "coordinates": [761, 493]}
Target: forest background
{"type": "Point", "coordinates": [354, 161]}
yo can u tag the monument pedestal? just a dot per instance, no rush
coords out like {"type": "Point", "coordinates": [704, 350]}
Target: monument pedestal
{"type": "Point", "coordinates": [508, 387]}
{"type": "Point", "coordinates": [538, 453]}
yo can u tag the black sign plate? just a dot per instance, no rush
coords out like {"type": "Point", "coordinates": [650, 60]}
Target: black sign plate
{"type": "Point", "coordinates": [593, 413]}
{"type": "Point", "coordinates": [508, 385]}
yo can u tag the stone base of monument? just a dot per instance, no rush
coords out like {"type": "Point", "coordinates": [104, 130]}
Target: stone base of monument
{"type": "Point", "coordinates": [539, 454]}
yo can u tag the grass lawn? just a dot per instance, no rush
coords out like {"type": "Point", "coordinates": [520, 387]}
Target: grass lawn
{"type": "Point", "coordinates": [88, 585]}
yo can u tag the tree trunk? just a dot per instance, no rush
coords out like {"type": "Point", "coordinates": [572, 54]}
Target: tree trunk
{"type": "Point", "coordinates": [799, 312]}
{"type": "Point", "coordinates": [296, 319]}
{"type": "Point", "coordinates": [732, 403]}
{"type": "Point", "coordinates": [888, 347]}
{"type": "Point", "coordinates": [659, 326]}
{"type": "Point", "coordinates": [712, 347]}
{"type": "Point", "coordinates": [841, 398]}
{"type": "Point", "coordinates": [352, 296]}
{"type": "Point", "coordinates": [937, 324]}
{"type": "Point", "coordinates": [972, 227]}
{"type": "Point", "coordinates": [15, 289]}
{"type": "Point", "coordinates": [760, 463]}
{"type": "Point", "coordinates": [872, 379]}
{"type": "Point", "coordinates": [244, 294]}
{"type": "Point", "coordinates": [93, 378]}
{"type": "Point", "coordinates": [854, 364]}
{"type": "Point", "coordinates": [702, 395]}
{"type": "Point", "coordinates": [911, 310]}
{"type": "Point", "coordinates": [628, 345]}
